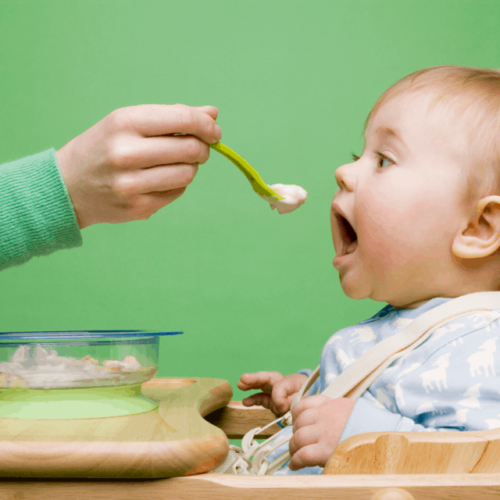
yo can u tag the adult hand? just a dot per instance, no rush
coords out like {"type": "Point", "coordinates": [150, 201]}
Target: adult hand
{"type": "Point", "coordinates": [318, 423]}
{"type": "Point", "coordinates": [133, 162]}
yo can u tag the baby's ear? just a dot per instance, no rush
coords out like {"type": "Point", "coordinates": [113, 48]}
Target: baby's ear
{"type": "Point", "coordinates": [481, 236]}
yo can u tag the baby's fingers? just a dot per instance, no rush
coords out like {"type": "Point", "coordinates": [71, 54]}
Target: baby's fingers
{"type": "Point", "coordinates": [283, 395]}
{"type": "Point", "coordinates": [282, 405]}
{"type": "Point", "coordinates": [260, 380]}
{"type": "Point", "coordinates": [309, 456]}
{"type": "Point", "coordinates": [284, 391]}
{"type": "Point", "coordinates": [260, 399]}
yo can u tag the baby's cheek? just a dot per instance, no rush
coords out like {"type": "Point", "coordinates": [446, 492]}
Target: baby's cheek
{"type": "Point", "coordinates": [378, 234]}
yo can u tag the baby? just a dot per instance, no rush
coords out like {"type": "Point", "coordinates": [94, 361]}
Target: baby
{"type": "Point", "coordinates": [415, 223]}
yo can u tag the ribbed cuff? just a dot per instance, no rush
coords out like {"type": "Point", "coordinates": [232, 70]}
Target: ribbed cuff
{"type": "Point", "coordinates": [36, 213]}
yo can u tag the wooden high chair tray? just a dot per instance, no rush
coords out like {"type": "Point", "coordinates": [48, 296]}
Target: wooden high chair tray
{"type": "Point", "coordinates": [173, 440]}
{"type": "Point", "coordinates": [441, 466]}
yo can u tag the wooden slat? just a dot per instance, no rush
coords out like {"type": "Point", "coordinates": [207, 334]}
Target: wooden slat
{"type": "Point", "coordinates": [227, 487]}
{"type": "Point", "coordinates": [236, 420]}
{"type": "Point", "coordinates": [490, 461]}
{"type": "Point", "coordinates": [409, 453]}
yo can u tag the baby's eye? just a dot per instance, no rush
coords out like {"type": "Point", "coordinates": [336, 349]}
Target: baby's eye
{"type": "Point", "coordinates": [383, 161]}
{"type": "Point", "coordinates": [355, 157]}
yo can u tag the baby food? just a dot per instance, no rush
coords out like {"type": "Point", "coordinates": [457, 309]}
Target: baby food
{"type": "Point", "coordinates": [45, 369]}
{"type": "Point", "coordinates": [293, 198]}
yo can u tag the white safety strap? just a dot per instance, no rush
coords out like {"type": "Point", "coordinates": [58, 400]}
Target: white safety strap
{"type": "Point", "coordinates": [355, 379]}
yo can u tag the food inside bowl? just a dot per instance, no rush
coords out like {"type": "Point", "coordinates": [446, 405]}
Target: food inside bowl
{"type": "Point", "coordinates": [45, 369]}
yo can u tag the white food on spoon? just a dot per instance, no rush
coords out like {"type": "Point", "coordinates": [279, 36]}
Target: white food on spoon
{"type": "Point", "coordinates": [293, 198]}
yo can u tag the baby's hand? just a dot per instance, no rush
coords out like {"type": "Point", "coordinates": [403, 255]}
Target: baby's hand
{"type": "Point", "coordinates": [318, 423]}
{"type": "Point", "coordinates": [277, 393]}
{"type": "Point", "coordinates": [136, 160]}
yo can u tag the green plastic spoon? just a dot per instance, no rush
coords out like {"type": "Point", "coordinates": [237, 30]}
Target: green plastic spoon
{"type": "Point", "coordinates": [258, 185]}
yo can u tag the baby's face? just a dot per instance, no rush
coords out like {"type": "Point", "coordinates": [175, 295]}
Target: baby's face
{"type": "Point", "coordinates": [405, 199]}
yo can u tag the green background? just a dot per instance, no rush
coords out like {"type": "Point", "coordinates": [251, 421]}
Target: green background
{"type": "Point", "coordinates": [293, 81]}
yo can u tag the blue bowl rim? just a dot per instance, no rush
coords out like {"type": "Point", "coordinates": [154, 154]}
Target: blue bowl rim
{"type": "Point", "coordinates": [82, 334]}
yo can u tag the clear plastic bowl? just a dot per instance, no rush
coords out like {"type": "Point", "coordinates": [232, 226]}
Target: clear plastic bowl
{"type": "Point", "coordinates": [70, 359]}
{"type": "Point", "coordinates": [77, 374]}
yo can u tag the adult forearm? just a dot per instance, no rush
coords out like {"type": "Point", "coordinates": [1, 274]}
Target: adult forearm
{"type": "Point", "coordinates": [36, 213]}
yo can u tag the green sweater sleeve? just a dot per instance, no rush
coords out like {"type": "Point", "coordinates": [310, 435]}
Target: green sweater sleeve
{"type": "Point", "coordinates": [36, 213]}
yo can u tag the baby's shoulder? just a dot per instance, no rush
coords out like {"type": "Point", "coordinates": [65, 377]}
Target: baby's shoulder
{"type": "Point", "coordinates": [370, 331]}
{"type": "Point", "coordinates": [470, 328]}
{"type": "Point", "coordinates": [464, 341]}
{"type": "Point", "coordinates": [351, 342]}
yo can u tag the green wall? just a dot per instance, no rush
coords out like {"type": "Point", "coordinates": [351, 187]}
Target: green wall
{"type": "Point", "coordinates": [293, 82]}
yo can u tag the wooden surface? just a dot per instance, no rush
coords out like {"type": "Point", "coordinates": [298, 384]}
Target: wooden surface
{"type": "Point", "coordinates": [417, 453]}
{"type": "Point", "coordinates": [227, 487]}
{"type": "Point", "coordinates": [476, 453]}
{"type": "Point", "coordinates": [173, 440]}
{"type": "Point", "coordinates": [236, 420]}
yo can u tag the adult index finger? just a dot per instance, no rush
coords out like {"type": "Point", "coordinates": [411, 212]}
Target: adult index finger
{"type": "Point", "coordinates": [211, 110]}
{"type": "Point", "coordinates": [152, 120]}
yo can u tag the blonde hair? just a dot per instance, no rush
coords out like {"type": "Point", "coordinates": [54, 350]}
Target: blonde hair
{"type": "Point", "coordinates": [473, 96]}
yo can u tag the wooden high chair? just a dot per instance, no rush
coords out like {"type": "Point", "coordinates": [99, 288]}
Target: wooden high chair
{"type": "Point", "coordinates": [372, 466]}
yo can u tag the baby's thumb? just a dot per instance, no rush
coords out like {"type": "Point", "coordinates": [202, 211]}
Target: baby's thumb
{"type": "Point", "coordinates": [281, 404]}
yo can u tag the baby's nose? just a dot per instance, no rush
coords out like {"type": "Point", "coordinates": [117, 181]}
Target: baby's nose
{"type": "Point", "coordinates": [345, 178]}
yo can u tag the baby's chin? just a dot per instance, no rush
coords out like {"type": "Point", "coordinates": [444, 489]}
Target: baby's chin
{"type": "Point", "coordinates": [358, 283]}
{"type": "Point", "coordinates": [364, 292]}
{"type": "Point", "coordinates": [354, 289]}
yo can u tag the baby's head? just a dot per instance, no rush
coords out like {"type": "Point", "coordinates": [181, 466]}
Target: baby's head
{"type": "Point", "coordinates": [423, 200]}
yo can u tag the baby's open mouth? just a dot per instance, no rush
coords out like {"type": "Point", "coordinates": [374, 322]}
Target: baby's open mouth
{"type": "Point", "coordinates": [349, 236]}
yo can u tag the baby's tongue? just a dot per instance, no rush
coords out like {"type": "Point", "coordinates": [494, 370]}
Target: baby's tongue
{"type": "Point", "coordinates": [352, 247]}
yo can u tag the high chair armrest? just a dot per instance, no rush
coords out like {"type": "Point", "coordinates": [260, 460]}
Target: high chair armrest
{"type": "Point", "coordinates": [417, 453]}
{"type": "Point", "coordinates": [236, 420]}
